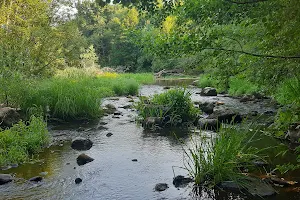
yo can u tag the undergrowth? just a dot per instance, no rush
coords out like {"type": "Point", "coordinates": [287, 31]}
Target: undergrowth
{"type": "Point", "coordinates": [21, 142]}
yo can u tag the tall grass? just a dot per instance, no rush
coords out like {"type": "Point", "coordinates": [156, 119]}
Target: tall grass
{"type": "Point", "coordinates": [239, 86]}
{"type": "Point", "coordinates": [141, 78]}
{"type": "Point", "coordinates": [77, 93]}
{"type": "Point", "coordinates": [214, 160]}
{"type": "Point", "coordinates": [175, 104]}
{"type": "Point", "coordinates": [19, 143]}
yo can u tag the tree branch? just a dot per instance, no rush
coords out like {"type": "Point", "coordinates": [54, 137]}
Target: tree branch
{"type": "Point", "coordinates": [252, 54]}
{"type": "Point", "coordinates": [245, 2]}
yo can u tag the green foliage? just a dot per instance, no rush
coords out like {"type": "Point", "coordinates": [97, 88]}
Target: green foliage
{"type": "Point", "coordinates": [141, 78]}
{"type": "Point", "coordinates": [77, 93]}
{"type": "Point", "coordinates": [288, 94]}
{"type": "Point", "coordinates": [174, 104]}
{"type": "Point", "coordinates": [240, 86]}
{"type": "Point", "coordinates": [19, 143]}
{"type": "Point", "coordinates": [206, 80]}
{"type": "Point", "coordinates": [213, 160]}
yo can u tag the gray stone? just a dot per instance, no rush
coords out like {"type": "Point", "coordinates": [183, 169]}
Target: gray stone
{"type": "Point", "coordinates": [8, 116]}
{"type": "Point", "coordinates": [5, 178]}
{"type": "Point", "coordinates": [161, 187]}
{"type": "Point", "coordinates": [181, 181]}
{"type": "Point", "coordinates": [81, 143]}
{"type": "Point", "coordinates": [207, 107]}
{"type": "Point", "coordinates": [83, 159]}
{"type": "Point", "coordinates": [208, 91]}
{"type": "Point", "coordinates": [36, 179]}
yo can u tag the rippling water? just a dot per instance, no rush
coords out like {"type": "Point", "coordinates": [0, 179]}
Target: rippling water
{"type": "Point", "coordinates": [113, 174]}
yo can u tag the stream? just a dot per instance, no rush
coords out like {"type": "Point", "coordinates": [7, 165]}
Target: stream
{"type": "Point", "coordinates": [113, 174]}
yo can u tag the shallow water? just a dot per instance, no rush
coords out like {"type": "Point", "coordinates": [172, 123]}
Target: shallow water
{"type": "Point", "coordinates": [113, 174]}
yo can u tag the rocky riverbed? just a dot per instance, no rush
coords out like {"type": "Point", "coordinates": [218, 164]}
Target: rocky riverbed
{"type": "Point", "coordinates": [126, 161]}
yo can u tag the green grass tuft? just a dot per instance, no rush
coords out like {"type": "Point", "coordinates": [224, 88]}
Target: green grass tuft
{"type": "Point", "coordinates": [240, 86]}
{"type": "Point", "coordinates": [214, 160]}
{"type": "Point", "coordinates": [175, 104]}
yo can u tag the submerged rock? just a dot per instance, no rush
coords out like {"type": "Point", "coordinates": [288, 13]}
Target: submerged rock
{"type": "Point", "coordinates": [5, 178]}
{"type": "Point", "coordinates": [36, 179]}
{"type": "Point", "coordinates": [208, 91]}
{"type": "Point", "coordinates": [209, 124]}
{"type": "Point", "coordinates": [81, 143]}
{"type": "Point", "coordinates": [254, 186]}
{"type": "Point", "coordinates": [109, 109]}
{"type": "Point", "coordinates": [181, 181]}
{"type": "Point", "coordinates": [78, 180]}
{"type": "Point", "coordinates": [161, 187]}
{"type": "Point", "coordinates": [109, 134]}
{"type": "Point", "coordinates": [83, 159]}
{"type": "Point", "coordinates": [8, 116]}
{"type": "Point", "coordinates": [226, 115]}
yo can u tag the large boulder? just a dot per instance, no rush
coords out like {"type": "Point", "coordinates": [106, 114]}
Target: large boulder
{"type": "Point", "coordinates": [226, 115]}
{"type": "Point", "coordinates": [81, 143]}
{"type": "Point", "coordinates": [5, 178]}
{"type": "Point", "coordinates": [9, 116]}
{"type": "Point", "coordinates": [208, 91]}
{"type": "Point", "coordinates": [209, 124]}
{"type": "Point", "coordinates": [83, 159]}
{"type": "Point", "coordinates": [207, 107]}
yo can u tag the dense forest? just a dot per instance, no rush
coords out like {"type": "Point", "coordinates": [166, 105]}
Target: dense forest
{"type": "Point", "coordinates": [60, 58]}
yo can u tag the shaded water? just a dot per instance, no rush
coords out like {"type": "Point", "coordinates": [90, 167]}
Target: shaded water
{"type": "Point", "coordinates": [113, 174]}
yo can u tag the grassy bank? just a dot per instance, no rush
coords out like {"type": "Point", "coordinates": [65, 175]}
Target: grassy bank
{"type": "Point", "coordinates": [76, 93]}
{"type": "Point", "coordinates": [19, 143]}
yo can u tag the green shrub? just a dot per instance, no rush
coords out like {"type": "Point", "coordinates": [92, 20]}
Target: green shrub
{"type": "Point", "coordinates": [175, 104]}
{"type": "Point", "coordinates": [214, 160]}
{"type": "Point", "coordinates": [20, 142]}
{"type": "Point", "coordinates": [240, 86]}
{"type": "Point", "coordinates": [206, 80]}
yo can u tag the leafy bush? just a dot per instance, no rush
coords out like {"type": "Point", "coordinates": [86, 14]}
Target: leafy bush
{"type": "Point", "coordinates": [214, 160]}
{"type": "Point", "coordinates": [20, 142]}
{"type": "Point", "coordinates": [240, 86]}
{"type": "Point", "coordinates": [206, 80]}
{"type": "Point", "coordinates": [174, 104]}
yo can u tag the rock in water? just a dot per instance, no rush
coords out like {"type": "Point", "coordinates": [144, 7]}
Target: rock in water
{"type": "Point", "coordinates": [208, 91]}
{"type": "Point", "coordinates": [161, 187]}
{"type": "Point", "coordinates": [5, 178]}
{"type": "Point", "coordinates": [81, 143]}
{"type": "Point", "coordinates": [82, 159]}
{"type": "Point", "coordinates": [181, 181]}
{"type": "Point", "coordinates": [78, 180]}
{"type": "Point", "coordinates": [36, 179]}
